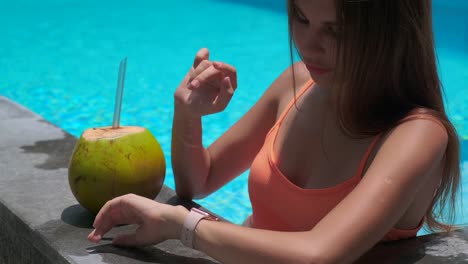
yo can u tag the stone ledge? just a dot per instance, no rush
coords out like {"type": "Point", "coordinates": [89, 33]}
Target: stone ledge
{"type": "Point", "coordinates": [41, 222]}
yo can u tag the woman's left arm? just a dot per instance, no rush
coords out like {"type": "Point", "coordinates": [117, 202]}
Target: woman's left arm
{"type": "Point", "coordinates": [409, 155]}
{"type": "Point", "coordinates": [403, 164]}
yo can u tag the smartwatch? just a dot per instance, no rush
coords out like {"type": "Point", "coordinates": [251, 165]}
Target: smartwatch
{"type": "Point", "coordinates": [193, 218]}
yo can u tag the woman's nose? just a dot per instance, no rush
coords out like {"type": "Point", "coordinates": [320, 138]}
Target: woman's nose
{"type": "Point", "coordinates": [315, 44]}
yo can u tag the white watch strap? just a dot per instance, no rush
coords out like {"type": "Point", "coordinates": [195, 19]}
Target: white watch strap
{"type": "Point", "coordinates": [188, 231]}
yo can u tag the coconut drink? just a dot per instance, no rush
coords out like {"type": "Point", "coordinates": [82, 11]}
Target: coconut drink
{"type": "Point", "coordinates": [112, 161]}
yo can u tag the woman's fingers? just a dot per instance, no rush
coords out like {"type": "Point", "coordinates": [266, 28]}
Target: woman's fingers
{"type": "Point", "coordinates": [107, 212]}
{"type": "Point", "coordinates": [208, 87]}
{"type": "Point", "coordinates": [110, 215]}
{"type": "Point", "coordinates": [209, 78]}
{"type": "Point", "coordinates": [228, 70]}
{"type": "Point", "coordinates": [144, 235]}
{"type": "Point", "coordinates": [205, 71]}
{"type": "Point", "coordinates": [93, 237]}
{"type": "Point", "coordinates": [99, 231]}
{"type": "Point", "coordinates": [225, 94]}
{"type": "Point", "coordinates": [127, 240]}
{"type": "Point", "coordinates": [202, 67]}
{"type": "Point", "coordinates": [202, 54]}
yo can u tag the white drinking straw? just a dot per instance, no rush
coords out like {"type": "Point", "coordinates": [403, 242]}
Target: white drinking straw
{"type": "Point", "coordinates": [118, 96]}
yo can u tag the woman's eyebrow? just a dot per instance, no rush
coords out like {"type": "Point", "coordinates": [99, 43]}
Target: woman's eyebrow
{"type": "Point", "coordinates": [297, 7]}
{"type": "Point", "coordinates": [326, 23]}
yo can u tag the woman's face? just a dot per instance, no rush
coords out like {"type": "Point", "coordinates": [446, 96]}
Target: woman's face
{"type": "Point", "coordinates": [315, 33]}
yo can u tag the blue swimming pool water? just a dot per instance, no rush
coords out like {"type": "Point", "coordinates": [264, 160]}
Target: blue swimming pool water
{"type": "Point", "coordinates": [60, 59]}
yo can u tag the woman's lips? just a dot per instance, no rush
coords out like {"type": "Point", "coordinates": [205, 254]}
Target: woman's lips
{"type": "Point", "coordinates": [316, 69]}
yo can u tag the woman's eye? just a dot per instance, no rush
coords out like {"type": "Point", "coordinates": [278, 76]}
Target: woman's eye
{"type": "Point", "coordinates": [333, 30]}
{"type": "Point", "coordinates": [300, 16]}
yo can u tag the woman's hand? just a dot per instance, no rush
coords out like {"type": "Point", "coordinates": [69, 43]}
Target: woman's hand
{"type": "Point", "coordinates": [156, 221]}
{"type": "Point", "coordinates": [207, 88]}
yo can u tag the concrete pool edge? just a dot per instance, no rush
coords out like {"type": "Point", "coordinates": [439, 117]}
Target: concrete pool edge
{"type": "Point", "coordinates": [41, 222]}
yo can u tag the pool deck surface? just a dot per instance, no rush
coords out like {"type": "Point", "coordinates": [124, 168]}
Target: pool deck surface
{"type": "Point", "coordinates": [41, 221]}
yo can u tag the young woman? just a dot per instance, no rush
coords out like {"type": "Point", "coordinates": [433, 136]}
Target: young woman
{"type": "Point", "coordinates": [348, 147]}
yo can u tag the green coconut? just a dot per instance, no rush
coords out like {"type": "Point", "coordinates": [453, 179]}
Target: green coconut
{"type": "Point", "coordinates": [109, 162]}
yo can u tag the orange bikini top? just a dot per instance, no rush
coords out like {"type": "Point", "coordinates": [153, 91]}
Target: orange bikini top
{"type": "Point", "coordinates": [278, 204]}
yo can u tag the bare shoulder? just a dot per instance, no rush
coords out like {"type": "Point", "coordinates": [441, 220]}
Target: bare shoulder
{"type": "Point", "coordinates": [425, 130]}
{"type": "Point", "coordinates": [420, 141]}
{"type": "Point", "coordinates": [295, 76]}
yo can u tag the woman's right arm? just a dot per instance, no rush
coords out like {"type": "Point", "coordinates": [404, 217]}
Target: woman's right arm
{"type": "Point", "coordinates": [199, 171]}
{"type": "Point", "coordinates": [212, 91]}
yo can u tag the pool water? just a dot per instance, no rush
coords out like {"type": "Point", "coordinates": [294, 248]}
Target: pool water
{"type": "Point", "coordinates": [60, 59]}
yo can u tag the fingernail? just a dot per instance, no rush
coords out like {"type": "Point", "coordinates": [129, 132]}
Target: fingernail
{"type": "Point", "coordinates": [195, 83]}
{"type": "Point", "coordinates": [96, 238]}
{"type": "Point", "coordinates": [229, 85]}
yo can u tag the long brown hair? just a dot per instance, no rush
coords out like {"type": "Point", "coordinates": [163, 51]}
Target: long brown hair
{"type": "Point", "coordinates": [386, 68]}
